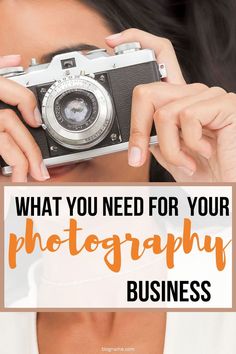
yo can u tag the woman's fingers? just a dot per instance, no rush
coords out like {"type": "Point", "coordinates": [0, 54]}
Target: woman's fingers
{"type": "Point", "coordinates": [141, 125]}
{"type": "Point", "coordinates": [163, 48]}
{"type": "Point", "coordinates": [146, 100]}
{"type": "Point", "coordinates": [179, 173]}
{"type": "Point", "coordinates": [9, 60]}
{"type": "Point", "coordinates": [218, 115]}
{"type": "Point", "coordinates": [14, 94]}
{"type": "Point", "coordinates": [215, 113]}
{"type": "Point", "coordinates": [177, 120]}
{"type": "Point", "coordinates": [156, 152]}
{"type": "Point", "coordinates": [170, 143]}
{"type": "Point", "coordinates": [14, 157]}
{"type": "Point", "coordinates": [13, 127]}
{"type": "Point", "coordinates": [17, 146]}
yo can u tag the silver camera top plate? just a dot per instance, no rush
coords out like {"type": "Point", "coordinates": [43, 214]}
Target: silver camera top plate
{"type": "Point", "coordinates": [98, 61]}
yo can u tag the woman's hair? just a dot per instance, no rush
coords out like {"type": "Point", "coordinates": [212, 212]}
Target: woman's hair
{"type": "Point", "coordinates": [201, 31]}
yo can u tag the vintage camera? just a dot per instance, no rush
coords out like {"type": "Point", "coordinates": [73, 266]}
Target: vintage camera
{"type": "Point", "coordinates": [85, 101]}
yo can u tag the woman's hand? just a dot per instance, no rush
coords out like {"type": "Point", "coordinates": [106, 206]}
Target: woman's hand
{"type": "Point", "coordinates": [196, 125]}
{"type": "Point", "coordinates": [162, 47]}
{"type": "Point", "coordinates": [196, 128]}
{"type": "Point", "coordinates": [17, 146]}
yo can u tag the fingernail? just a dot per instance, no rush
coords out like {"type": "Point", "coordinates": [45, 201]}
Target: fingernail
{"type": "Point", "coordinates": [135, 156]}
{"type": "Point", "coordinates": [10, 60]}
{"type": "Point", "coordinates": [186, 170]}
{"type": "Point", "coordinates": [12, 56]}
{"type": "Point", "coordinates": [114, 36]}
{"type": "Point", "coordinates": [37, 116]}
{"type": "Point", "coordinates": [44, 171]}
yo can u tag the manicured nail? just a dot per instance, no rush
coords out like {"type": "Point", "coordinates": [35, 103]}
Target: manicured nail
{"type": "Point", "coordinates": [135, 156]}
{"type": "Point", "coordinates": [114, 36]}
{"type": "Point", "coordinates": [44, 171]}
{"type": "Point", "coordinates": [12, 56]}
{"type": "Point", "coordinates": [10, 60]}
{"type": "Point", "coordinates": [186, 170]}
{"type": "Point", "coordinates": [37, 116]}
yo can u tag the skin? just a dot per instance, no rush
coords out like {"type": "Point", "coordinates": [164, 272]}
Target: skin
{"type": "Point", "coordinates": [88, 332]}
{"type": "Point", "coordinates": [209, 155]}
{"type": "Point", "coordinates": [68, 331]}
{"type": "Point", "coordinates": [31, 17]}
{"type": "Point", "coordinates": [195, 124]}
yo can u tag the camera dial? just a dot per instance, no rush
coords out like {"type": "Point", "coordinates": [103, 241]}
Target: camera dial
{"type": "Point", "coordinates": [78, 112]}
{"type": "Point", "coordinates": [127, 48]}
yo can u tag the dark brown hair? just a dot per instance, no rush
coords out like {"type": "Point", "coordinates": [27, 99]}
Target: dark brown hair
{"type": "Point", "coordinates": [201, 31]}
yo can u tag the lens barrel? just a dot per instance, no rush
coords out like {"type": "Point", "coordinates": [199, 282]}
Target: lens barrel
{"type": "Point", "coordinates": [77, 112]}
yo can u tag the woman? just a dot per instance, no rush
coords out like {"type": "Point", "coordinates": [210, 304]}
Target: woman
{"type": "Point", "coordinates": [38, 28]}
{"type": "Point", "coordinates": [132, 332]}
{"type": "Point", "coordinates": [193, 109]}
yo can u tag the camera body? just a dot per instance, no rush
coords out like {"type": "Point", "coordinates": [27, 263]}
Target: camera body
{"type": "Point", "coordinates": [85, 101]}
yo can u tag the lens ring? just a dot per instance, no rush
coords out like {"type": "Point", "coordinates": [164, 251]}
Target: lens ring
{"type": "Point", "coordinates": [94, 133]}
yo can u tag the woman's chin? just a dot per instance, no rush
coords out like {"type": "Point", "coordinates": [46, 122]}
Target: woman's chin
{"type": "Point", "coordinates": [62, 171]}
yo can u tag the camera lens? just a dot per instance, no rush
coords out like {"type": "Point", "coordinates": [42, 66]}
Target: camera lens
{"type": "Point", "coordinates": [76, 110]}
